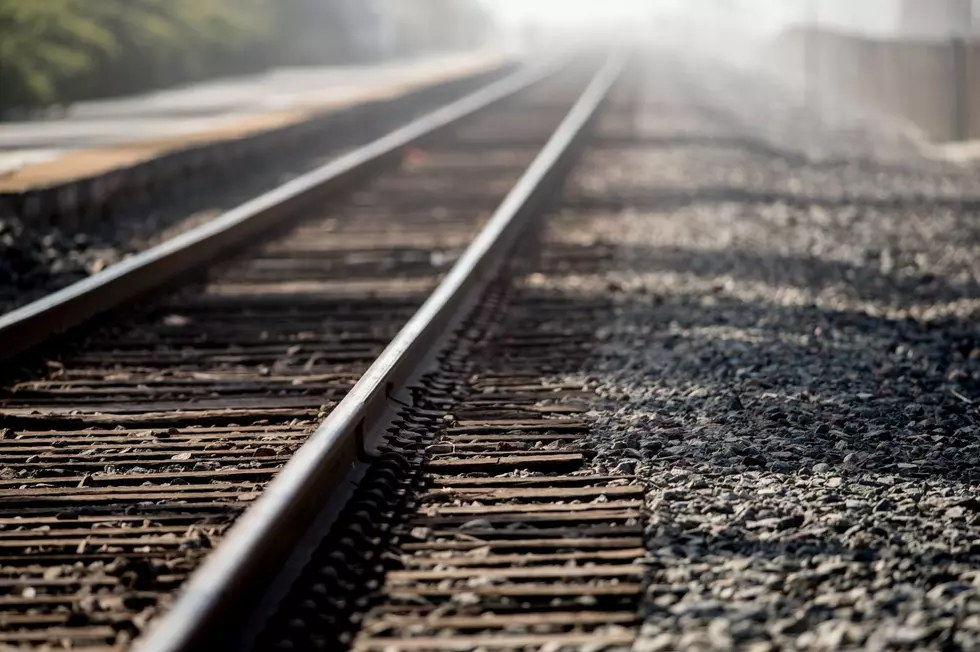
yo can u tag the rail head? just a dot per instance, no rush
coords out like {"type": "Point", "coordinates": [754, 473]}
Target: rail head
{"type": "Point", "coordinates": [213, 595]}
{"type": "Point", "coordinates": [33, 324]}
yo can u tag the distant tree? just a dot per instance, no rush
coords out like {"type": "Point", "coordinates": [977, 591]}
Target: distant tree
{"type": "Point", "coordinates": [45, 43]}
{"type": "Point", "coordinates": [55, 51]}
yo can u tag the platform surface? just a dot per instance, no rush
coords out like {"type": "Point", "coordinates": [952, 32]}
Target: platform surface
{"type": "Point", "coordinates": [92, 138]}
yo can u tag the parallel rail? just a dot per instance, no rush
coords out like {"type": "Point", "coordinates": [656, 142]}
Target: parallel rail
{"type": "Point", "coordinates": [265, 535]}
{"type": "Point", "coordinates": [26, 327]}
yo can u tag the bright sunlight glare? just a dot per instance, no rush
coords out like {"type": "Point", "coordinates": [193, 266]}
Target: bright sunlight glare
{"type": "Point", "coordinates": [880, 16]}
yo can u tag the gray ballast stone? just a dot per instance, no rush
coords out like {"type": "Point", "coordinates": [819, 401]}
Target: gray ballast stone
{"type": "Point", "coordinates": [794, 355]}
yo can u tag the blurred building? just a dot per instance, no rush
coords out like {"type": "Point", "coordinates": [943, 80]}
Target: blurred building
{"type": "Point", "coordinates": [337, 31]}
{"type": "Point", "coordinates": [431, 25]}
{"type": "Point", "coordinates": [940, 18]}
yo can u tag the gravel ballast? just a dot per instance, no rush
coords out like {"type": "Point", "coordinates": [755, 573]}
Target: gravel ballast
{"type": "Point", "coordinates": [793, 368]}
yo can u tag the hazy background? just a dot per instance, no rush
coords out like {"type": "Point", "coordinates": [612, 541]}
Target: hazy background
{"type": "Point", "coordinates": [54, 52]}
{"type": "Point", "coordinates": [883, 17]}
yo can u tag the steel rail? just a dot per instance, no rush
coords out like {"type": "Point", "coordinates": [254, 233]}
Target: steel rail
{"type": "Point", "coordinates": [30, 325]}
{"type": "Point", "coordinates": [262, 537]}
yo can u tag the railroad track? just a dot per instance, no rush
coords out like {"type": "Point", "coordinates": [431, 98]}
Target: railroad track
{"type": "Point", "coordinates": [163, 198]}
{"type": "Point", "coordinates": [130, 453]}
{"type": "Point", "coordinates": [481, 527]}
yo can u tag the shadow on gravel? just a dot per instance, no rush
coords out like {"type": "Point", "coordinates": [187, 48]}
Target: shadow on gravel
{"type": "Point", "coordinates": [734, 385]}
{"type": "Point", "coordinates": [653, 198]}
{"type": "Point", "coordinates": [862, 282]}
{"type": "Point", "coordinates": [744, 385]}
{"type": "Point", "coordinates": [643, 143]}
{"type": "Point", "coordinates": [716, 384]}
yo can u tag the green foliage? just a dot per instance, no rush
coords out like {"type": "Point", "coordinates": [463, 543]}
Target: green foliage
{"type": "Point", "coordinates": [43, 43]}
{"type": "Point", "coordinates": [61, 50]}
{"type": "Point", "coordinates": [57, 51]}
